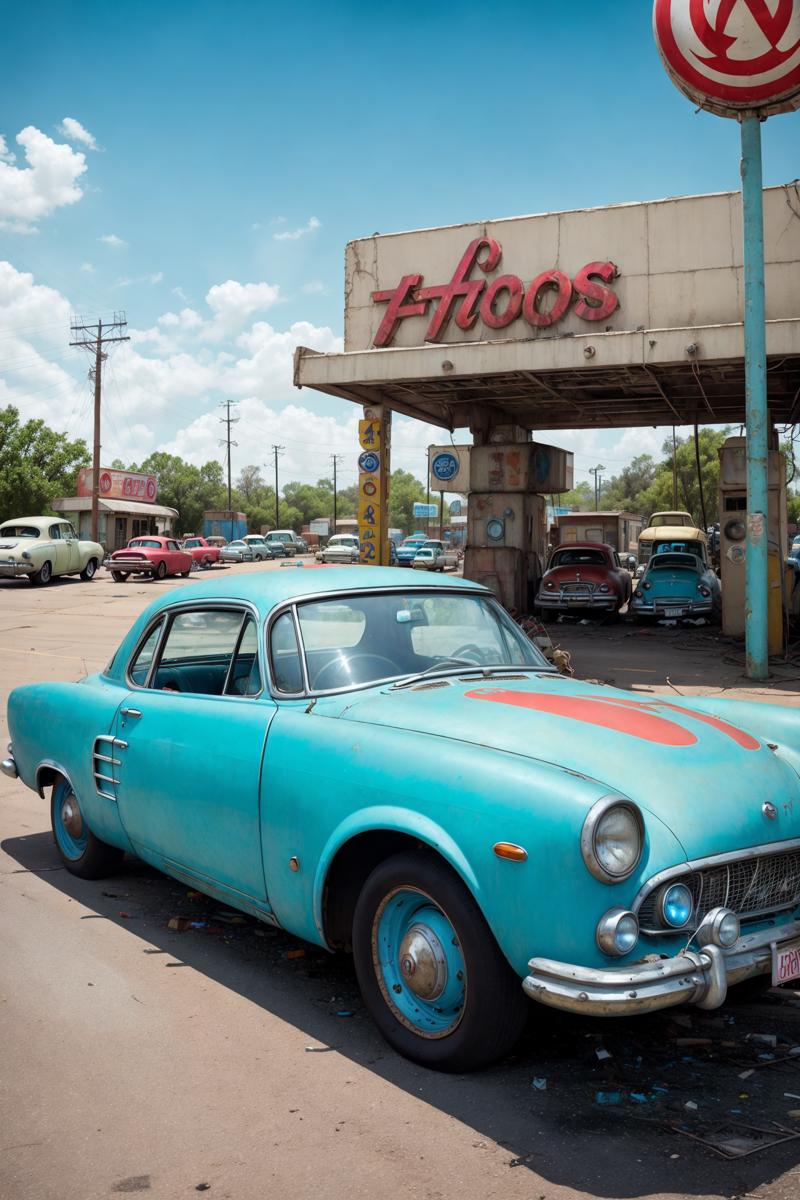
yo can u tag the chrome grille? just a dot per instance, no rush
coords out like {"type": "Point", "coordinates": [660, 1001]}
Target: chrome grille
{"type": "Point", "coordinates": [752, 887]}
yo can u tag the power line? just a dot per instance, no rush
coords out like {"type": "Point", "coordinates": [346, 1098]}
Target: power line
{"type": "Point", "coordinates": [83, 337]}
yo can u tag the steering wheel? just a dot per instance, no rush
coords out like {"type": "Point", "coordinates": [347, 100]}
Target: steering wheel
{"type": "Point", "coordinates": [343, 664]}
{"type": "Point", "coordinates": [470, 648]}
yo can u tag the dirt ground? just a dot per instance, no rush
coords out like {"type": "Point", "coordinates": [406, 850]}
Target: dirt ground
{"type": "Point", "coordinates": [226, 1057]}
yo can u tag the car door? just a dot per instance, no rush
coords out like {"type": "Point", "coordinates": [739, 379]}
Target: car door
{"type": "Point", "coordinates": [60, 552]}
{"type": "Point", "coordinates": [73, 548]}
{"type": "Point", "coordinates": [191, 735]}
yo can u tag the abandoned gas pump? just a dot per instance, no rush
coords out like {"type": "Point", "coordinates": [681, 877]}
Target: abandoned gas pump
{"type": "Point", "coordinates": [507, 516]}
{"type": "Point", "coordinates": [733, 540]}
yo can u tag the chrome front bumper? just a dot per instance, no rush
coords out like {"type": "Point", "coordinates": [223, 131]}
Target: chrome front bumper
{"type": "Point", "coordinates": [699, 977]}
{"type": "Point", "coordinates": [9, 766]}
{"type": "Point", "coordinates": [659, 610]}
{"type": "Point", "coordinates": [568, 600]}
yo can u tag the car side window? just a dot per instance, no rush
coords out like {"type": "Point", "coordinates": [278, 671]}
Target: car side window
{"type": "Point", "coordinates": [143, 659]}
{"type": "Point", "coordinates": [285, 656]}
{"type": "Point", "coordinates": [173, 546]}
{"type": "Point", "coordinates": [245, 676]}
{"type": "Point", "coordinates": [198, 651]}
{"type": "Point", "coordinates": [55, 532]}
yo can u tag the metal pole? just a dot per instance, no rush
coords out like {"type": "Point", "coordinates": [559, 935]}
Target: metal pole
{"type": "Point", "coordinates": [755, 370]}
{"type": "Point", "coordinates": [674, 471]}
{"type": "Point", "coordinates": [428, 498]}
{"type": "Point", "coordinates": [98, 367]}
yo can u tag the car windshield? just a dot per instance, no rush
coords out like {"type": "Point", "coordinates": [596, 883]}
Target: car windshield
{"type": "Point", "coordinates": [687, 547]}
{"type": "Point", "coordinates": [19, 531]}
{"type": "Point", "coordinates": [578, 558]}
{"type": "Point", "coordinates": [190, 542]}
{"type": "Point", "coordinates": [351, 641]}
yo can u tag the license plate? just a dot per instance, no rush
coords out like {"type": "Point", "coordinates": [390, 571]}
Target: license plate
{"type": "Point", "coordinates": [785, 963]}
{"type": "Point", "coordinates": [577, 601]}
{"type": "Point", "coordinates": [673, 612]}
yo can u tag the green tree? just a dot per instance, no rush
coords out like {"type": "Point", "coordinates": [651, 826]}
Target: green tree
{"type": "Point", "coordinates": [190, 489]}
{"type": "Point", "coordinates": [36, 465]}
{"type": "Point", "coordinates": [404, 491]}
{"type": "Point", "coordinates": [659, 496]}
{"type": "Point", "coordinates": [581, 497]}
{"type": "Point", "coordinates": [625, 491]}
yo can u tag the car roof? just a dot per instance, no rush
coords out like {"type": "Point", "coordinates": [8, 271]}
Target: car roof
{"type": "Point", "coordinates": [270, 588]}
{"type": "Point", "coordinates": [583, 546]}
{"type": "Point", "coordinates": [40, 521]}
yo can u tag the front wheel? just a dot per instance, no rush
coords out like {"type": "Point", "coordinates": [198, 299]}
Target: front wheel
{"type": "Point", "coordinates": [119, 576]}
{"type": "Point", "coordinates": [89, 571]}
{"type": "Point", "coordinates": [81, 852]}
{"type": "Point", "coordinates": [430, 971]}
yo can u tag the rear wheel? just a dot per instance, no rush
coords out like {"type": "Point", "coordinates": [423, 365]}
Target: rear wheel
{"type": "Point", "coordinates": [89, 571]}
{"type": "Point", "coordinates": [160, 570]}
{"type": "Point", "coordinates": [429, 969]}
{"type": "Point", "coordinates": [43, 575]}
{"type": "Point", "coordinates": [81, 852]}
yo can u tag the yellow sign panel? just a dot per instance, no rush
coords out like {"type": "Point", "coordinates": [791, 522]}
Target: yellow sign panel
{"type": "Point", "coordinates": [373, 471]}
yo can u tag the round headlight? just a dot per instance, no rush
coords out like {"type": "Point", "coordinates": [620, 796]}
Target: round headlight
{"type": "Point", "coordinates": [611, 839]}
{"type": "Point", "coordinates": [720, 927]}
{"type": "Point", "coordinates": [617, 931]}
{"type": "Point", "coordinates": [675, 905]}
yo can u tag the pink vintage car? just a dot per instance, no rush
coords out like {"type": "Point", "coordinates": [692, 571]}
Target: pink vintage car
{"type": "Point", "coordinates": [149, 555]}
{"type": "Point", "coordinates": [203, 553]}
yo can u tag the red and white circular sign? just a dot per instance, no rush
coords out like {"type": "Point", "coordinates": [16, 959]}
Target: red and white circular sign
{"type": "Point", "coordinates": [732, 56]}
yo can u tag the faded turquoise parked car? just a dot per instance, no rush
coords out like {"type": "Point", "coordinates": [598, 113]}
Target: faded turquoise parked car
{"type": "Point", "coordinates": [277, 741]}
{"type": "Point", "coordinates": [677, 585]}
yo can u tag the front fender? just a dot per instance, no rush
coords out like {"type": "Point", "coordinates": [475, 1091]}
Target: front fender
{"type": "Point", "coordinates": [392, 819]}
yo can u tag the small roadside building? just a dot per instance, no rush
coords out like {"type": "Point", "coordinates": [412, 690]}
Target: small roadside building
{"type": "Point", "coordinates": [126, 507]}
{"type": "Point", "coordinates": [619, 530]}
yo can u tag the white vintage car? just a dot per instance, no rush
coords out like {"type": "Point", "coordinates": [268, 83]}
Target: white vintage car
{"type": "Point", "coordinates": [41, 547]}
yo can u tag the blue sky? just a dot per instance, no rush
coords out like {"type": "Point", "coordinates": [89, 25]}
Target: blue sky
{"type": "Point", "coordinates": [244, 144]}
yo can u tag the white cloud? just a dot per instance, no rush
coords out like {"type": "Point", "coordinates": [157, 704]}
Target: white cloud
{"type": "Point", "coordinates": [111, 239]}
{"type": "Point", "coordinates": [292, 235]}
{"type": "Point", "coordinates": [315, 287]}
{"type": "Point", "coordinates": [47, 182]}
{"type": "Point", "coordinates": [88, 268]}
{"type": "Point", "coordinates": [179, 292]}
{"type": "Point", "coordinates": [6, 155]}
{"type": "Point", "coordinates": [72, 129]}
{"type": "Point", "coordinates": [239, 300]}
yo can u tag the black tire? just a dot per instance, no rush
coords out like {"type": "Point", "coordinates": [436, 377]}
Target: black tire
{"type": "Point", "coordinates": [160, 570]}
{"type": "Point", "coordinates": [90, 858]}
{"type": "Point", "coordinates": [749, 991]}
{"type": "Point", "coordinates": [119, 576]}
{"type": "Point", "coordinates": [492, 1014]}
{"type": "Point", "coordinates": [43, 576]}
{"type": "Point", "coordinates": [89, 571]}
{"type": "Point", "coordinates": [185, 574]}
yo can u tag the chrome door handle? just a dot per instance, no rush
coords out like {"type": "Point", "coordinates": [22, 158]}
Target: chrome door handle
{"type": "Point", "coordinates": [129, 712]}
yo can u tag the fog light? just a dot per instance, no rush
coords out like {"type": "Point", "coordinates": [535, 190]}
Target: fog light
{"type": "Point", "coordinates": [720, 927]}
{"type": "Point", "coordinates": [675, 904]}
{"type": "Point", "coordinates": [617, 931]}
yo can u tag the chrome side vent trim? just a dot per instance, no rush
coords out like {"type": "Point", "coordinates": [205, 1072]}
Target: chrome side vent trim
{"type": "Point", "coordinates": [104, 764]}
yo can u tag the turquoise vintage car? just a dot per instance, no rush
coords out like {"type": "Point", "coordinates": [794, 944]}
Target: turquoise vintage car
{"type": "Point", "coordinates": [277, 741]}
{"type": "Point", "coordinates": [677, 584]}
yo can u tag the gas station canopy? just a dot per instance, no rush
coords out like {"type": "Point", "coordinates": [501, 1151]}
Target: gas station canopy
{"type": "Point", "coordinates": [609, 317]}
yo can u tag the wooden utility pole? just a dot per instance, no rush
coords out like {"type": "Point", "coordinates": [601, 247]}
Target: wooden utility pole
{"type": "Point", "coordinates": [335, 458]}
{"type": "Point", "coordinates": [228, 420]}
{"type": "Point", "coordinates": [276, 451]}
{"type": "Point", "coordinates": [94, 337]}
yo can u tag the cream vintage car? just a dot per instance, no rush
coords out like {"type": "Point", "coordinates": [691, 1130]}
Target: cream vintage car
{"type": "Point", "coordinates": [41, 547]}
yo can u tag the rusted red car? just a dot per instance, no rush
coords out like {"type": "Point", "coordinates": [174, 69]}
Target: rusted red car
{"type": "Point", "coordinates": [150, 555]}
{"type": "Point", "coordinates": [584, 576]}
{"type": "Point", "coordinates": [202, 552]}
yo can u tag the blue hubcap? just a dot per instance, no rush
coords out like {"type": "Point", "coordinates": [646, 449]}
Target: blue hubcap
{"type": "Point", "coordinates": [419, 963]}
{"type": "Point", "coordinates": [71, 832]}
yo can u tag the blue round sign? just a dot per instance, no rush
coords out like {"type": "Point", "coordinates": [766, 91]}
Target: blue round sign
{"type": "Point", "coordinates": [444, 466]}
{"type": "Point", "coordinates": [369, 461]}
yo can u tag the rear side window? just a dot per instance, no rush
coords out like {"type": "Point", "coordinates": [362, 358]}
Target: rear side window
{"type": "Point", "coordinates": [144, 656]}
{"type": "Point", "coordinates": [285, 656]}
{"type": "Point", "coordinates": [245, 676]}
{"type": "Point", "coordinates": [198, 652]}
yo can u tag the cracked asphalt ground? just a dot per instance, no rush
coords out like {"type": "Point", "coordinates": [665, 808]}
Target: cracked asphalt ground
{"type": "Point", "coordinates": [221, 1056]}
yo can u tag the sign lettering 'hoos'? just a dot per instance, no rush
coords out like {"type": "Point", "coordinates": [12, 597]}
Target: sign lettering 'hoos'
{"type": "Point", "coordinates": [499, 303]}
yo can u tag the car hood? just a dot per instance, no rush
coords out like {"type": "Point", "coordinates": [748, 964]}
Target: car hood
{"type": "Point", "coordinates": [703, 767]}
